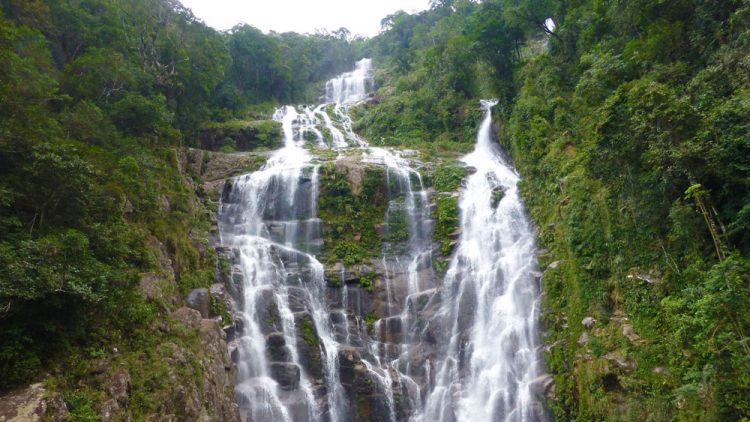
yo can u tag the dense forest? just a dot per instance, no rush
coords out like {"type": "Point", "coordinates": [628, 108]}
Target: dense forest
{"type": "Point", "coordinates": [96, 97]}
{"type": "Point", "coordinates": [628, 120]}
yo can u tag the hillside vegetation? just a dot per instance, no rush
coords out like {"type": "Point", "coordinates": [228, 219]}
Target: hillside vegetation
{"type": "Point", "coordinates": [98, 99]}
{"type": "Point", "coordinates": [628, 120]}
{"type": "Point", "coordinates": [629, 123]}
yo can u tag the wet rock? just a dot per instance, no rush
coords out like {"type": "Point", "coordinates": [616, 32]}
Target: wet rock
{"type": "Point", "coordinates": [200, 300]}
{"type": "Point", "coordinates": [230, 331]}
{"type": "Point", "coordinates": [498, 194]}
{"type": "Point", "coordinates": [543, 387]}
{"type": "Point", "coordinates": [467, 307]}
{"type": "Point", "coordinates": [308, 345]}
{"type": "Point", "coordinates": [393, 330]}
{"type": "Point", "coordinates": [187, 316]}
{"type": "Point", "coordinates": [277, 347]}
{"type": "Point", "coordinates": [268, 316]}
{"type": "Point", "coordinates": [297, 298]}
{"type": "Point", "coordinates": [234, 351]}
{"type": "Point", "coordinates": [588, 322]}
{"type": "Point", "coordinates": [286, 374]}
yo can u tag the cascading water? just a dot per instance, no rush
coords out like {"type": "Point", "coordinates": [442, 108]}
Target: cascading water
{"type": "Point", "coordinates": [270, 217]}
{"type": "Point", "coordinates": [462, 351]}
{"type": "Point", "coordinates": [351, 87]}
{"type": "Point", "coordinates": [490, 301]}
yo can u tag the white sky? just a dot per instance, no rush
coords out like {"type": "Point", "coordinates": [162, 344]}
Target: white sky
{"type": "Point", "coordinates": [303, 16]}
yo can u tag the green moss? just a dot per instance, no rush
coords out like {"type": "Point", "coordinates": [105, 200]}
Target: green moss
{"type": "Point", "coordinates": [228, 146]}
{"type": "Point", "coordinates": [370, 319]}
{"type": "Point", "coordinates": [366, 281]}
{"type": "Point", "coordinates": [220, 308]}
{"type": "Point", "coordinates": [307, 331]}
{"type": "Point", "coordinates": [225, 268]}
{"type": "Point", "coordinates": [81, 406]}
{"type": "Point", "coordinates": [447, 178]}
{"type": "Point", "coordinates": [349, 232]}
{"type": "Point", "coordinates": [446, 215]}
{"type": "Point", "coordinates": [397, 232]}
{"type": "Point", "coordinates": [255, 163]}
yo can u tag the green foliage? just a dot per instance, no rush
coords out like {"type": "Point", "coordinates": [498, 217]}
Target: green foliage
{"type": "Point", "coordinates": [349, 233]}
{"type": "Point", "coordinates": [611, 118]}
{"type": "Point", "coordinates": [366, 281]}
{"type": "Point", "coordinates": [609, 129]}
{"type": "Point", "coordinates": [81, 407]}
{"type": "Point", "coordinates": [228, 146]}
{"type": "Point", "coordinates": [307, 330]}
{"type": "Point", "coordinates": [447, 178]}
{"type": "Point", "coordinates": [91, 191]}
{"type": "Point", "coordinates": [447, 222]}
{"type": "Point", "coordinates": [370, 319]}
{"type": "Point", "coordinates": [282, 67]}
{"type": "Point", "coordinates": [220, 308]}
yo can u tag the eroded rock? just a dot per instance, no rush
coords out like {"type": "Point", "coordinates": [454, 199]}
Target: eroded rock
{"type": "Point", "coordinates": [286, 374]}
{"type": "Point", "coordinates": [200, 300]}
{"type": "Point", "coordinates": [588, 322]}
{"type": "Point", "coordinates": [187, 316]}
{"type": "Point", "coordinates": [32, 404]}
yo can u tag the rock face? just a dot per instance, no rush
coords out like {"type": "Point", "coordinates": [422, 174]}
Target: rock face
{"type": "Point", "coordinates": [32, 404]}
{"type": "Point", "coordinates": [200, 300]}
{"type": "Point", "coordinates": [209, 397]}
{"type": "Point", "coordinates": [326, 327]}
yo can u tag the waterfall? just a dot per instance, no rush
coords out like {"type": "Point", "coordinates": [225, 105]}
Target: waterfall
{"type": "Point", "coordinates": [490, 300]}
{"type": "Point", "coordinates": [270, 217]}
{"type": "Point", "coordinates": [351, 87]}
{"type": "Point", "coordinates": [461, 350]}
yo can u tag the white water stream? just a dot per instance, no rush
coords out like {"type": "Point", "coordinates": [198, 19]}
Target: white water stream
{"type": "Point", "coordinates": [490, 300]}
{"type": "Point", "coordinates": [289, 365]}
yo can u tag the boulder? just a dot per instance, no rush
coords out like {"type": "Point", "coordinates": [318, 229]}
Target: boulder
{"type": "Point", "coordinates": [150, 286]}
{"type": "Point", "coordinates": [277, 348]}
{"type": "Point", "coordinates": [108, 410]}
{"type": "Point", "coordinates": [188, 317]}
{"type": "Point", "coordinates": [619, 361]}
{"type": "Point", "coordinates": [286, 374]}
{"type": "Point", "coordinates": [200, 300]}
{"type": "Point", "coordinates": [588, 322]}
{"type": "Point", "coordinates": [119, 386]}
{"type": "Point", "coordinates": [32, 404]}
{"type": "Point", "coordinates": [627, 331]}
{"type": "Point", "coordinates": [543, 387]}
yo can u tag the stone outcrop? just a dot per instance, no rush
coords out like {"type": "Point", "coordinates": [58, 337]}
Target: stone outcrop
{"type": "Point", "coordinates": [200, 300]}
{"type": "Point", "coordinates": [31, 404]}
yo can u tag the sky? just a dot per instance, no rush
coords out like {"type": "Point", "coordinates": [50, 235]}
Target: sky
{"type": "Point", "coordinates": [359, 16]}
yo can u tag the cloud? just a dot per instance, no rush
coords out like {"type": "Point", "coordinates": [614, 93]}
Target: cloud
{"type": "Point", "coordinates": [359, 16]}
